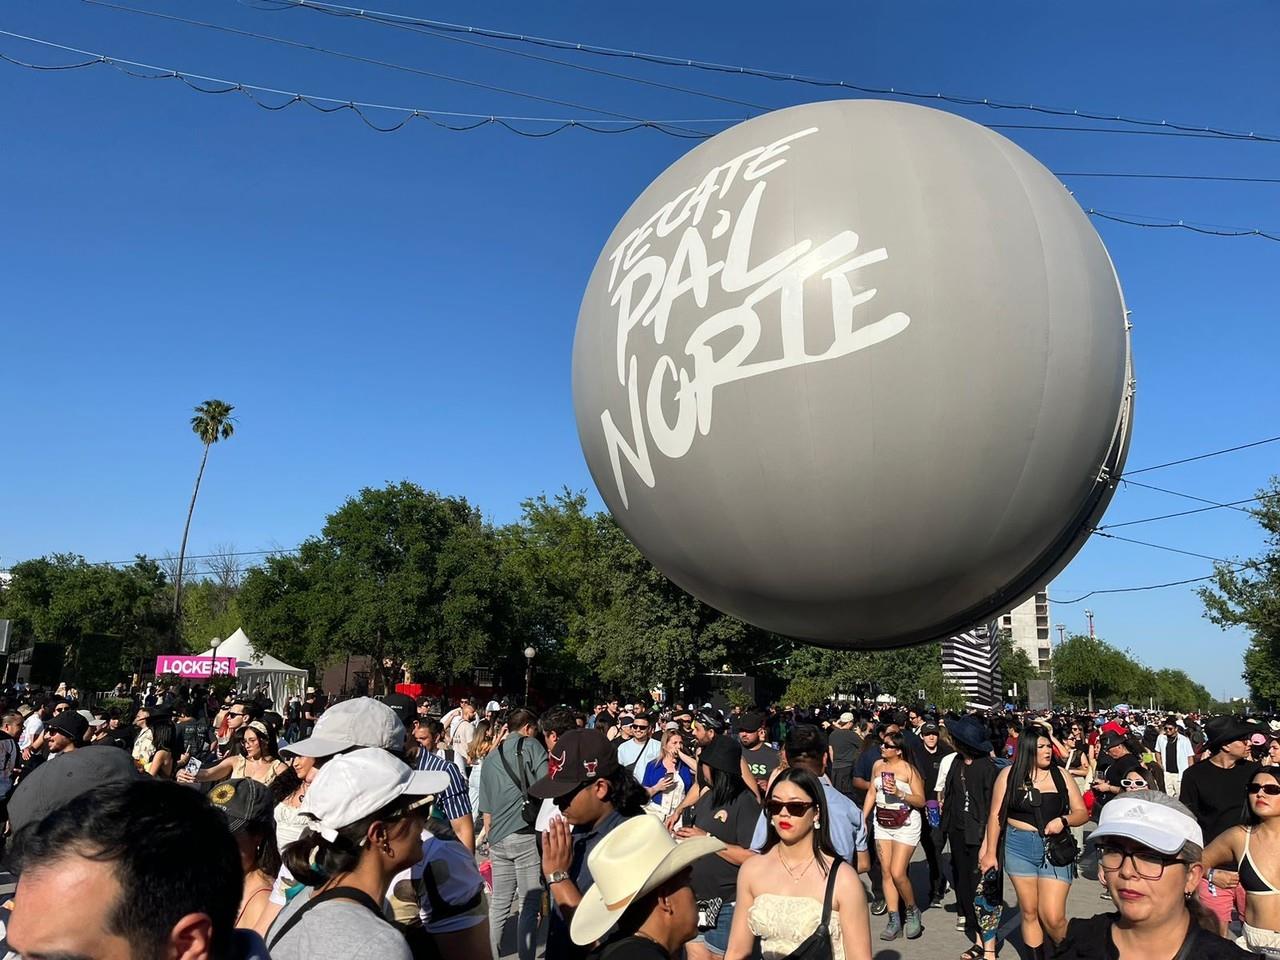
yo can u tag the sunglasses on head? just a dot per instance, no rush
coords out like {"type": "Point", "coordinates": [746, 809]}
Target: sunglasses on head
{"type": "Point", "coordinates": [1270, 789]}
{"type": "Point", "coordinates": [792, 808]}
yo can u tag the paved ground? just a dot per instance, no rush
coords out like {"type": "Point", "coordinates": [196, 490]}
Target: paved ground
{"type": "Point", "coordinates": [941, 941]}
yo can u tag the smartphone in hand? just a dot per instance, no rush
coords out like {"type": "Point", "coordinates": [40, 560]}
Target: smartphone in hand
{"type": "Point", "coordinates": [686, 817]}
{"type": "Point", "coordinates": [887, 782]}
{"type": "Point", "coordinates": [193, 766]}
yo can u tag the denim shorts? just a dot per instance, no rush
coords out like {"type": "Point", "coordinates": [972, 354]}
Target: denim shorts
{"type": "Point", "coordinates": [1024, 857]}
{"type": "Point", "coordinates": [717, 938]}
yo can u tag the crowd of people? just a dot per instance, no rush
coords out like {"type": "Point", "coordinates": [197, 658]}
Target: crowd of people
{"type": "Point", "coordinates": [180, 824]}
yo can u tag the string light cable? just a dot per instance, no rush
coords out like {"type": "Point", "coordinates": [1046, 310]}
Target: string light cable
{"type": "Point", "coordinates": [333, 9]}
{"type": "Point", "coordinates": [373, 61]}
{"type": "Point", "coordinates": [470, 121]}
{"type": "Point", "coordinates": [444, 119]}
{"type": "Point", "coordinates": [1149, 586]}
{"type": "Point", "coordinates": [1209, 230]}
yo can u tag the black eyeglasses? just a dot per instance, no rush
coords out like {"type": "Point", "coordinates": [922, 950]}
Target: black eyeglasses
{"type": "Point", "coordinates": [1148, 864]}
{"type": "Point", "coordinates": [793, 808]}
{"type": "Point", "coordinates": [1270, 789]}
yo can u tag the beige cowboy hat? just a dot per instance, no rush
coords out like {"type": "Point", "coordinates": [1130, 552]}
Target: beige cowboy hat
{"type": "Point", "coordinates": [635, 858]}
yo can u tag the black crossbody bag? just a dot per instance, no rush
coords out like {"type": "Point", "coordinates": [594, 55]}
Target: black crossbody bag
{"type": "Point", "coordinates": [529, 811]}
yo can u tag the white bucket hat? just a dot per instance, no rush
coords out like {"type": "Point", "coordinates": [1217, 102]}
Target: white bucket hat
{"type": "Point", "coordinates": [358, 784]}
{"type": "Point", "coordinates": [635, 858]}
{"type": "Point", "coordinates": [362, 722]}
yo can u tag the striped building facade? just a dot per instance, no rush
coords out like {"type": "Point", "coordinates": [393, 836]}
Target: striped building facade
{"type": "Point", "coordinates": [972, 659]}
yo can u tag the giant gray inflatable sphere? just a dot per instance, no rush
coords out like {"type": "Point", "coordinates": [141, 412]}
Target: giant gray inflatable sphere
{"type": "Point", "coordinates": [856, 372]}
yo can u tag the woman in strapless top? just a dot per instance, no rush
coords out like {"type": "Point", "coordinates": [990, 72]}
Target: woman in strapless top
{"type": "Point", "coordinates": [1249, 855]}
{"type": "Point", "coordinates": [781, 892]}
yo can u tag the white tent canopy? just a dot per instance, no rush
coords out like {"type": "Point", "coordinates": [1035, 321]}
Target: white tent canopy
{"type": "Point", "coordinates": [253, 670]}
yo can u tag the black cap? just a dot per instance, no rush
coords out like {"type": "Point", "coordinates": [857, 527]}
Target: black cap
{"type": "Point", "coordinates": [580, 756]}
{"type": "Point", "coordinates": [405, 707]}
{"type": "Point", "coordinates": [70, 724]}
{"type": "Point", "coordinates": [244, 802]}
{"type": "Point", "coordinates": [57, 782]}
{"type": "Point", "coordinates": [1110, 739]}
{"type": "Point", "coordinates": [928, 728]}
{"type": "Point", "coordinates": [752, 720]}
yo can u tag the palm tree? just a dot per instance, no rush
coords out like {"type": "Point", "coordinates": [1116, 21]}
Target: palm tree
{"type": "Point", "coordinates": [212, 422]}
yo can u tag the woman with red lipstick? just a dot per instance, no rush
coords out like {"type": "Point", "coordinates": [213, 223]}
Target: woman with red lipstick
{"type": "Point", "coordinates": [1253, 850]}
{"type": "Point", "coordinates": [782, 892]}
{"type": "Point", "coordinates": [1149, 849]}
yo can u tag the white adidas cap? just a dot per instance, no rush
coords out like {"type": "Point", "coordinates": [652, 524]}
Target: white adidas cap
{"type": "Point", "coordinates": [1164, 829]}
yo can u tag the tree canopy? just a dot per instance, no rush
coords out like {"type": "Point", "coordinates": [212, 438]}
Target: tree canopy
{"type": "Point", "coordinates": [1247, 594]}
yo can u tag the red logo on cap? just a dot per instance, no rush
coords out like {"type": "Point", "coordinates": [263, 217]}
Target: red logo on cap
{"type": "Point", "coordinates": [554, 763]}
{"type": "Point", "coordinates": [589, 767]}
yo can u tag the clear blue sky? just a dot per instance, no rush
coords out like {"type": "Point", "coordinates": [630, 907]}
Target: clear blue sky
{"type": "Point", "coordinates": [383, 307]}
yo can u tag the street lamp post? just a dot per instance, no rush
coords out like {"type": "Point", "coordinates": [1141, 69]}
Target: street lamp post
{"type": "Point", "coordinates": [529, 654]}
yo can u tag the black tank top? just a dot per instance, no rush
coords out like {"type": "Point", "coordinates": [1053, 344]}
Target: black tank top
{"type": "Point", "coordinates": [1038, 807]}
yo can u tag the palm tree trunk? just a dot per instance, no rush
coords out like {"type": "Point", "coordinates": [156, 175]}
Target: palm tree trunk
{"type": "Point", "coordinates": [182, 551]}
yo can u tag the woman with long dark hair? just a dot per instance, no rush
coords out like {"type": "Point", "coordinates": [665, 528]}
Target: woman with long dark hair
{"type": "Point", "coordinates": [166, 746]}
{"type": "Point", "coordinates": [253, 757]}
{"type": "Point", "coordinates": [1253, 851]}
{"type": "Point", "coordinates": [781, 893]}
{"type": "Point", "coordinates": [1032, 801]}
{"type": "Point", "coordinates": [895, 800]}
{"type": "Point", "coordinates": [728, 811]}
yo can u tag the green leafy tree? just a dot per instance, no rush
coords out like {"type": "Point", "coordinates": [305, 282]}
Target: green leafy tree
{"type": "Point", "coordinates": [1016, 669]}
{"type": "Point", "coordinates": [103, 617]}
{"type": "Point", "coordinates": [1248, 596]}
{"type": "Point", "coordinates": [409, 577]}
{"type": "Point", "coordinates": [212, 422]}
{"type": "Point", "coordinates": [1088, 667]}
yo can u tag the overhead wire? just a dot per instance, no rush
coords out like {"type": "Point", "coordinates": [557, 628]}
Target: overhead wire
{"type": "Point", "coordinates": [1156, 546]}
{"type": "Point", "coordinates": [1200, 456]}
{"type": "Point", "coordinates": [360, 108]}
{"type": "Point", "coordinates": [1176, 493]}
{"type": "Point", "coordinates": [1184, 513]}
{"type": "Point", "coordinates": [1209, 178]}
{"type": "Point", "coordinates": [334, 9]}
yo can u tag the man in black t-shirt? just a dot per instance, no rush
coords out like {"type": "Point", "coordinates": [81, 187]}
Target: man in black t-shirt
{"type": "Point", "coordinates": [1214, 792]}
{"type": "Point", "coordinates": [761, 758]}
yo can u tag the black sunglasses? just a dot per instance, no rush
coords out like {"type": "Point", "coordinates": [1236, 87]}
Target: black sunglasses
{"type": "Point", "coordinates": [563, 802]}
{"type": "Point", "coordinates": [793, 808]}
{"type": "Point", "coordinates": [1270, 789]}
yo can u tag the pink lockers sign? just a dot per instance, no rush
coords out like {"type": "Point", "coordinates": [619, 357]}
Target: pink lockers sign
{"type": "Point", "coordinates": [190, 667]}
